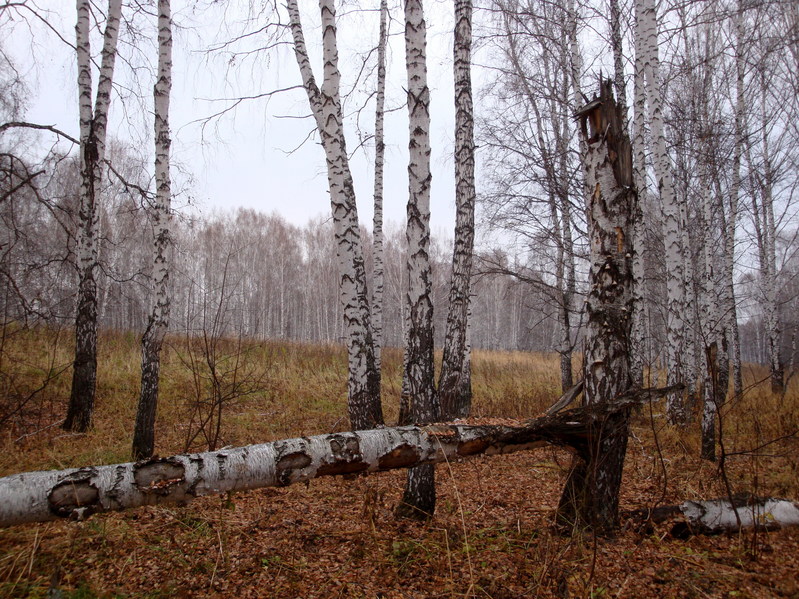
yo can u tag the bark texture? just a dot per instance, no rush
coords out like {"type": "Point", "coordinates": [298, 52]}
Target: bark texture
{"type": "Point", "coordinates": [419, 498]}
{"type": "Point", "coordinates": [77, 493]}
{"type": "Point", "coordinates": [591, 495]}
{"type": "Point", "coordinates": [365, 409]}
{"type": "Point", "coordinates": [144, 432]}
{"type": "Point", "coordinates": [454, 388]}
{"type": "Point", "coordinates": [93, 126]}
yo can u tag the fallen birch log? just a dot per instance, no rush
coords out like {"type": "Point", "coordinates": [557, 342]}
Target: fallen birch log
{"type": "Point", "coordinates": [80, 492]}
{"type": "Point", "coordinates": [717, 516]}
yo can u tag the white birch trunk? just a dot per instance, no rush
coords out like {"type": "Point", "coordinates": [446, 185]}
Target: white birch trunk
{"type": "Point", "coordinates": [769, 263]}
{"type": "Point", "coordinates": [693, 358]}
{"type": "Point", "coordinates": [618, 58]}
{"type": "Point", "coordinates": [576, 68]}
{"type": "Point", "coordinates": [454, 391]}
{"type": "Point", "coordinates": [144, 432]}
{"type": "Point", "coordinates": [576, 57]}
{"type": "Point", "coordinates": [722, 515]}
{"type": "Point", "coordinates": [377, 221]}
{"type": "Point", "coordinates": [419, 497]}
{"type": "Point", "coordinates": [709, 321]}
{"type": "Point", "coordinates": [718, 516]}
{"type": "Point", "coordinates": [646, 29]}
{"type": "Point", "coordinates": [419, 345]}
{"type": "Point", "coordinates": [734, 198]}
{"type": "Point", "coordinates": [365, 409]}
{"type": "Point", "coordinates": [93, 125]}
{"type": "Point", "coordinates": [638, 332]}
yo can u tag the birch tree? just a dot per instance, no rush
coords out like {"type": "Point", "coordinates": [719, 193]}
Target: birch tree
{"type": "Point", "coordinates": [93, 126]}
{"type": "Point", "coordinates": [638, 331]}
{"type": "Point", "coordinates": [377, 221]}
{"type": "Point", "coordinates": [617, 47]}
{"type": "Point", "coordinates": [454, 387]}
{"type": "Point", "coordinates": [646, 26]}
{"type": "Point", "coordinates": [419, 499]}
{"type": "Point", "coordinates": [77, 493]}
{"type": "Point", "coordinates": [766, 229]}
{"type": "Point", "coordinates": [739, 132]}
{"type": "Point", "coordinates": [144, 433]}
{"type": "Point", "coordinates": [365, 409]}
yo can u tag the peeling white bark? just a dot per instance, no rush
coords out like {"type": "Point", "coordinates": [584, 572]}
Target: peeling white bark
{"type": "Point", "coordinates": [591, 495]}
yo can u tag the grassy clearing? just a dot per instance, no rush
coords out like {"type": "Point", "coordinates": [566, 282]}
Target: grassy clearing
{"type": "Point", "coordinates": [491, 536]}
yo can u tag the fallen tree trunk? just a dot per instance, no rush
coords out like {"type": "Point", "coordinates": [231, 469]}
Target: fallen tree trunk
{"type": "Point", "coordinates": [80, 492]}
{"type": "Point", "coordinates": [717, 516]}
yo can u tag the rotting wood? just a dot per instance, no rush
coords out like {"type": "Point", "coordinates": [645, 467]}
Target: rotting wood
{"type": "Point", "coordinates": [80, 492]}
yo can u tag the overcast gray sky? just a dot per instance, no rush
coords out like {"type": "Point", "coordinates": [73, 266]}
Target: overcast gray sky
{"type": "Point", "coordinates": [245, 158]}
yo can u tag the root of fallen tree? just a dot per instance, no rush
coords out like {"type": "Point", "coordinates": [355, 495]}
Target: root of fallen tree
{"type": "Point", "coordinates": [80, 492]}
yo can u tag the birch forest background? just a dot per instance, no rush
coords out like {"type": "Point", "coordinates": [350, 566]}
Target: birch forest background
{"type": "Point", "coordinates": [727, 84]}
{"type": "Point", "coordinates": [589, 251]}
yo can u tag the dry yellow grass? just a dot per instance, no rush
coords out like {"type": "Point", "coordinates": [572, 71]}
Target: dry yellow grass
{"type": "Point", "coordinates": [490, 536]}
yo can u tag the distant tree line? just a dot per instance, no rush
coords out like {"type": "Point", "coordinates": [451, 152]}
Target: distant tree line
{"type": "Point", "coordinates": [264, 277]}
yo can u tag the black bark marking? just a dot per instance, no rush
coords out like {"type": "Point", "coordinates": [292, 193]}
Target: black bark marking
{"type": "Point", "coordinates": [341, 467]}
{"type": "Point", "coordinates": [221, 462]}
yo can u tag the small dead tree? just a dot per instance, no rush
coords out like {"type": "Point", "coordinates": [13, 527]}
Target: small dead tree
{"type": "Point", "coordinates": [591, 495]}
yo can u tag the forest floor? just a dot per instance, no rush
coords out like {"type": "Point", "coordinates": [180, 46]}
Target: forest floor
{"type": "Point", "coordinates": [492, 534]}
